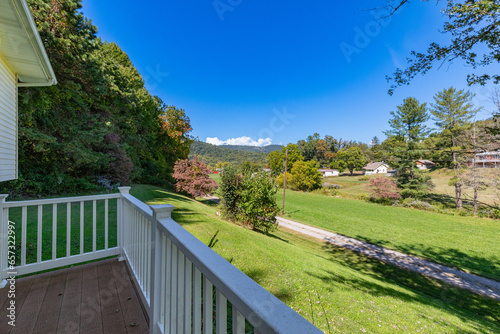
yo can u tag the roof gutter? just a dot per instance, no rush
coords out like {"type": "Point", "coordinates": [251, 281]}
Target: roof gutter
{"type": "Point", "coordinates": [29, 26]}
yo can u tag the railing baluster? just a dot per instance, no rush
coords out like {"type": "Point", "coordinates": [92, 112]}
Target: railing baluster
{"type": "Point", "coordinates": [238, 322]}
{"type": "Point", "coordinates": [54, 231]}
{"type": "Point", "coordinates": [180, 292]}
{"type": "Point", "coordinates": [24, 222]}
{"type": "Point", "coordinates": [173, 292]}
{"type": "Point", "coordinates": [68, 229]}
{"type": "Point", "coordinates": [149, 230]}
{"type": "Point", "coordinates": [106, 223]}
{"type": "Point", "coordinates": [94, 225]}
{"type": "Point", "coordinates": [196, 301]}
{"type": "Point", "coordinates": [207, 306]}
{"type": "Point", "coordinates": [82, 212]}
{"type": "Point", "coordinates": [187, 296]}
{"type": "Point", "coordinates": [221, 313]}
{"type": "Point", "coordinates": [39, 236]}
{"type": "Point", "coordinates": [168, 287]}
{"type": "Point", "coordinates": [163, 280]}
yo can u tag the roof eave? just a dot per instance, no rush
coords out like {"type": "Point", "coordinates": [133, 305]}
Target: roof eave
{"type": "Point", "coordinates": [29, 26]}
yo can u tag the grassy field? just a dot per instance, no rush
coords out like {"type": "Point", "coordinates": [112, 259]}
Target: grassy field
{"type": "Point", "coordinates": [338, 290]}
{"type": "Point", "coordinates": [442, 192]}
{"type": "Point", "coordinates": [467, 243]}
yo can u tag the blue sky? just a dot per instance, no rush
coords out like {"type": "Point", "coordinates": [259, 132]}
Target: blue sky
{"type": "Point", "coordinates": [278, 71]}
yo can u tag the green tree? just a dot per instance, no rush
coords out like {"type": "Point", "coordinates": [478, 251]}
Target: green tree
{"type": "Point", "coordinates": [452, 113]}
{"type": "Point", "coordinates": [229, 192]}
{"type": "Point", "coordinates": [409, 129]}
{"type": "Point", "coordinates": [474, 31]}
{"type": "Point", "coordinates": [277, 158]}
{"type": "Point", "coordinates": [305, 176]}
{"type": "Point", "coordinates": [408, 121]}
{"type": "Point", "coordinates": [351, 158]}
{"type": "Point", "coordinates": [258, 205]}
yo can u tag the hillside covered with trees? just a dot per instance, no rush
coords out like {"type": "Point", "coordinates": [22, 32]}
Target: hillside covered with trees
{"type": "Point", "coordinates": [99, 126]}
{"type": "Point", "coordinates": [235, 155]}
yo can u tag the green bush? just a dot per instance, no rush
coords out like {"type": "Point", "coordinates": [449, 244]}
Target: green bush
{"type": "Point", "coordinates": [305, 176]}
{"type": "Point", "coordinates": [258, 206]}
{"type": "Point", "coordinates": [249, 199]}
{"type": "Point", "coordinates": [229, 192]}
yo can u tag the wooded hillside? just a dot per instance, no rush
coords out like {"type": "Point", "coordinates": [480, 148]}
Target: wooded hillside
{"type": "Point", "coordinates": [213, 155]}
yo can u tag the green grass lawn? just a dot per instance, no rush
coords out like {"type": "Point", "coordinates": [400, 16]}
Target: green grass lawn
{"type": "Point", "coordinates": [351, 185]}
{"type": "Point", "coordinates": [338, 290]}
{"type": "Point", "coordinates": [467, 243]}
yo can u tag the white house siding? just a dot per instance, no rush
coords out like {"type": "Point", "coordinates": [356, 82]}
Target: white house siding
{"type": "Point", "coordinates": [8, 123]}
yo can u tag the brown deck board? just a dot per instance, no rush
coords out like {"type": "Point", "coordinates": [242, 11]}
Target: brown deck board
{"type": "Point", "coordinates": [51, 306]}
{"type": "Point", "coordinates": [92, 298]}
{"type": "Point", "coordinates": [28, 314]}
{"type": "Point", "coordinates": [23, 287]}
{"type": "Point", "coordinates": [135, 322]}
{"type": "Point", "coordinates": [90, 311]}
{"type": "Point", "coordinates": [69, 318]}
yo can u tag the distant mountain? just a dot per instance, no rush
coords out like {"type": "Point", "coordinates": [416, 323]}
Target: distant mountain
{"type": "Point", "coordinates": [212, 154]}
{"type": "Point", "coordinates": [266, 149]}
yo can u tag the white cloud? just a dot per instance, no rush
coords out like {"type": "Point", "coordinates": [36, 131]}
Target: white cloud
{"type": "Point", "coordinates": [245, 141]}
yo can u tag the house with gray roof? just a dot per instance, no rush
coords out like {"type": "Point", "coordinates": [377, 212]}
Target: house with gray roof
{"type": "Point", "coordinates": [375, 168]}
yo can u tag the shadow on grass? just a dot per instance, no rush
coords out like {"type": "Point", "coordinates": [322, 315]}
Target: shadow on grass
{"type": "Point", "coordinates": [207, 202]}
{"type": "Point", "coordinates": [484, 312]}
{"type": "Point", "coordinates": [274, 236]}
{"type": "Point", "coordinates": [476, 264]}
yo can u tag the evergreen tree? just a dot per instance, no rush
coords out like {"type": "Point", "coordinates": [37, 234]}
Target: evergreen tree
{"type": "Point", "coordinates": [452, 112]}
{"type": "Point", "coordinates": [408, 128]}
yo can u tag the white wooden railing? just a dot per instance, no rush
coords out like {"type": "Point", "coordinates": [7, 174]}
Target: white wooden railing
{"type": "Point", "coordinates": [47, 216]}
{"type": "Point", "coordinates": [176, 275]}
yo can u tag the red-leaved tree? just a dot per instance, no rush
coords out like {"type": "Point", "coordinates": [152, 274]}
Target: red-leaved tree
{"type": "Point", "coordinates": [383, 188]}
{"type": "Point", "coordinates": [193, 178]}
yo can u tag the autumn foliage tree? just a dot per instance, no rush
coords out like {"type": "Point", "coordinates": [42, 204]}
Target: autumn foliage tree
{"type": "Point", "coordinates": [383, 188]}
{"type": "Point", "coordinates": [193, 178]}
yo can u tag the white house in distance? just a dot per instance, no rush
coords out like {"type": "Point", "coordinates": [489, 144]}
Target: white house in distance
{"type": "Point", "coordinates": [329, 172]}
{"type": "Point", "coordinates": [425, 164]}
{"type": "Point", "coordinates": [487, 160]}
{"type": "Point", "coordinates": [375, 168]}
{"type": "Point", "coordinates": [23, 63]}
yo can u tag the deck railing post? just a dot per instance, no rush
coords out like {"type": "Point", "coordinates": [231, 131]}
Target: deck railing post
{"type": "Point", "coordinates": [4, 240]}
{"type": "Point", "coordinates": [121, 227]}
{"type": "Point", "coordinates": [159, 212]}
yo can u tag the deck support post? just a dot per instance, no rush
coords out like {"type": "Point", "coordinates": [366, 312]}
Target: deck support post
{"type": "Point", "coordinates": [4, 241]}
{"type": "Point", "coordinates": [159, 212]}
{"type": "Point", "coordinates": [120, 223]}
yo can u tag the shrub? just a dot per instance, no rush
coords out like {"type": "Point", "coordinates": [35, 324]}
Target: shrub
{"type": "Point", "coordinates": [258, 206]}
{"type": "Point", "coordinates": [364, 178]}
{"type": "Point", "coordinates": [416, 204]}
{"type": "Point", "coordinates": [193, 178]}
{"type": "Point", "coordinates": [491, 213]}
{"type": "Point", "coordinates": [280, 179]}
{"type": "Point", "coordinates": [249, 199]}
{"type": "Point", "coordinates": [305, 176]}
{"type": "Point", "coordinates": [230, 192]}
{"type": "Point", "coordinates": [383, 188]}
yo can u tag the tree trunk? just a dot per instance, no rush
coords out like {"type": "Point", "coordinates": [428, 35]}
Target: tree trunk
{"type": "Point", "coordinates": [458, 185]}
{"type": "Point", "coordinates": [458, 195]}
{"type": "Point", "coordinates": [475, 200]}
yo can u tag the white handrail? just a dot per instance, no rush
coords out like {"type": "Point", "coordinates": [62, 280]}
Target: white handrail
{"type": "Point", "coordinates": [39, 224]}
{"type": "Point", "coordinates": [175, 273]}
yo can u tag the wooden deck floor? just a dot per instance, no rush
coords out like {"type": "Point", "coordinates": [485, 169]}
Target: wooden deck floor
{"type": "Point", "coordinates": [93, 298]}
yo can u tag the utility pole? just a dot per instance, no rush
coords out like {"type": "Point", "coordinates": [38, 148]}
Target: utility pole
{"type": "Point", "coordinates": [284, 183]}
